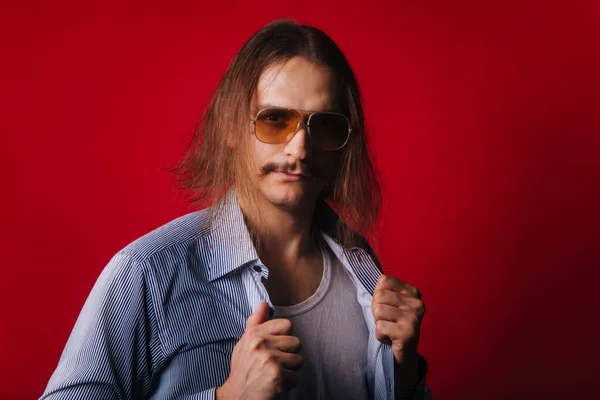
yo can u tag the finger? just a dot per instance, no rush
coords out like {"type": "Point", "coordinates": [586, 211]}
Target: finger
{"type": "Point", "coordinates": [259, 316]}
{"type": "Point", "coordinates": [277, 326]}
{"type": "Point", "coordinates": [403, 302]}
{"type": "Point", "coordinates": [386, 331]}
{"type": "Point", "coordinates": [416, 293]}
{"type": "Point", "coordinates": [385, 312]}
{"type": "Point", "coordinates": [289, 344]}
{"type": "Point", "coordinates": [389, 297]}
{"type": "Point", "coordinates": [394, 331]}
{"type": "Point", "coordinates": [389, 282]}
{"type": "Point", "coordinates": [282, 378]}
{"type": "Point", "coordinates": [291, 361]}
{"type": "Point", "coordinates": [289, 380]}
{"type": "Point", "coordinates": [382, 330]}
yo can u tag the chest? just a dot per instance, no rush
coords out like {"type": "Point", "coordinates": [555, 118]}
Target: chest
{"type": "Point", "coordinates": [334, 341]}
{"type": "Point", "coordinates": [196, 350]}
{"type": "Point", "coordinates": [293, 284]}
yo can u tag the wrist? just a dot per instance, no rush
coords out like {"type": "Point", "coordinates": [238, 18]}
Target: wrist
{"type": "Point", "coordinates": [224, 393]}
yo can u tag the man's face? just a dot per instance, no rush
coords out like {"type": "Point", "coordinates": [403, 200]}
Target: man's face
{"type": "Point", "coordinates": [292, 174]}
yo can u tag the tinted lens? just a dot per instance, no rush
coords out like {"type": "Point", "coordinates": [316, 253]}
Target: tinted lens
{"type": "Point", "coordinates": [329, 131]}
{"type": "Point", "coordinates": [274, 125]}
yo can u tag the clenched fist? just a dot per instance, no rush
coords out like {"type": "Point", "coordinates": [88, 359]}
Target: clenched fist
{"type": "Point", "coordinates": [398, 310]}
{"type": "Point", "coordinates": [264, 360]}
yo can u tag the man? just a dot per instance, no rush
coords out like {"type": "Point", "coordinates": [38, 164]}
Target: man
{"type": "Point", "coordinates": [268, 293]}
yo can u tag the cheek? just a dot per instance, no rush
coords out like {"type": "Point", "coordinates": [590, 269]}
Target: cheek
{"type": "Point", "coordinates": [328, 164]}
{"type": "Point", "coordinates": [262, 153]}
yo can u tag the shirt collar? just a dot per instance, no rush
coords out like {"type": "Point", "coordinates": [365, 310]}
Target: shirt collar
{"type": "Point", "coordinates": [229, 240]}
{"type": "Point", "coordinates": [232, 248]}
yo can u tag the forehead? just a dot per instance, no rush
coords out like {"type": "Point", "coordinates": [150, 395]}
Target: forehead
{"type": "Point", "coordinates": [297, 83]}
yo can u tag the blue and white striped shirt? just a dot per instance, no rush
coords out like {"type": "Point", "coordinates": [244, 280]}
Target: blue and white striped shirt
{"type": "Point", "coordinates": [163, 318]}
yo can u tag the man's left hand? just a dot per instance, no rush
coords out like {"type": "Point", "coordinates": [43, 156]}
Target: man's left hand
{"type": "Point", "coordinates": [398, 310]}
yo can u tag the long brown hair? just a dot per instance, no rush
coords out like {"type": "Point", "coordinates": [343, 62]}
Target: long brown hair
{"type": "Point", "coordinates": [217, 158]}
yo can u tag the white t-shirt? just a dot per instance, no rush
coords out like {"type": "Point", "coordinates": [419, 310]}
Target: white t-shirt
{"type": "Point", "coordinates": [331, 327]}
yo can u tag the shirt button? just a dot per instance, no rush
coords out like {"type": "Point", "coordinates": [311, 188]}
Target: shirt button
{"type": "Point", "coordinates": [257, 268]}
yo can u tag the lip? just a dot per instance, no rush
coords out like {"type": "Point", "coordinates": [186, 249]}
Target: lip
{"type": "Point", "coordinates": [293, 177]}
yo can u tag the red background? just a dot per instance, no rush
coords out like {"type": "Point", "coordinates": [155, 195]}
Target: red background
{"type": "Point", "coordinates": [485, 125]}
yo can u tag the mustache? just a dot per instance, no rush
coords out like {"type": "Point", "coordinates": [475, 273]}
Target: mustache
{"type": "Point", "coordinates": [289, 168]}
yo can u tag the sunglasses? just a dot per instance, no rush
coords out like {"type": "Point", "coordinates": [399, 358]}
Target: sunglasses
{"type": "Point", "coordinates": [327, 130]}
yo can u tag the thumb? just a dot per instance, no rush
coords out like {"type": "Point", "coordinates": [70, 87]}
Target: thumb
{"type": "Point", "coordinates": [260, 315]}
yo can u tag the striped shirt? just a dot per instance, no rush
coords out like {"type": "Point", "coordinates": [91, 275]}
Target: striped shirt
{"type": "Point", "coordinates": [166, 312]}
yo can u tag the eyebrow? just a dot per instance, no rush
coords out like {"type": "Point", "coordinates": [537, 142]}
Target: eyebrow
{"type": "Point", "coordinates": [267, 105]}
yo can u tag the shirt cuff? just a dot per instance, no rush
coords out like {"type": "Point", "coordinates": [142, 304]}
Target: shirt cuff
{"type": "Point", "coordinates": [208, 394]}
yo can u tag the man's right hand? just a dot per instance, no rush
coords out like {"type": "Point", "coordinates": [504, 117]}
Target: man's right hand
{"type": "Point", "coordinates": [264, 360]}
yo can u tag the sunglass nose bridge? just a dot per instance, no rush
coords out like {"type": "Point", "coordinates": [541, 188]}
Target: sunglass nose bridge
{"type": "Point", "coordinates": [302, 125]}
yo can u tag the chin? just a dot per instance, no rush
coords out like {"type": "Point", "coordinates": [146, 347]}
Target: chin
{"type": "Point", "coordinates": [289, 196]}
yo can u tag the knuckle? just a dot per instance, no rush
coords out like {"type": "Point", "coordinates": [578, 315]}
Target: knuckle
{"type": "Point", "coordinates": [257, 343]}
{"type": "Point", "coordinates": [414, 319]}
{"type": "Point", "coordinates": [296, 361]}
{"type": "Point", "coordinates": [409, 287]}
{"type": "Point", "coordinates": [405, 304]}
{"type": "Point", "coordinates": [416, 303]}
{"type": "Point", "coordinates": [418, 294]}
{"type": "Point", "coordinates": [274, 372]}
{"type": "Point", "coordinates": [399, 297]}
{"type": "Point", "coordinates": [267, 358]}
{"type": "Point", "coordinates": [417, 306]}
{"type": "Point", "coordinates": [378, 309]}
{"type": "Point", "coordinates": [421, 308]}
{"type": "Point", "coordinates": [377, 294]}
{"type": "Point", "coordinates": [410, 321]}
{"type": "Point", "coordinates": [287, 325]}
{"type": "Point", "coordinates": [405, 308]}
{"type": "Point", "coordinates": [297, 343]}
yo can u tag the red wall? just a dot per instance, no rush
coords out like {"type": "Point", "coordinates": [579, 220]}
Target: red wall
{"type": "Point", "coordinates": [485, 126]}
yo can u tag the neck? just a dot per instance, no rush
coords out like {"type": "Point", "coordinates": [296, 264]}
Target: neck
{"type": "Point", "coordinates": [284, 235]}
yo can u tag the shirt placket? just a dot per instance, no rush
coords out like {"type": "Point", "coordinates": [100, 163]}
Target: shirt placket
{"type": "Point", "coordinates": [255, 289]}
{"type": "Point", "coordinates": [382, 364]}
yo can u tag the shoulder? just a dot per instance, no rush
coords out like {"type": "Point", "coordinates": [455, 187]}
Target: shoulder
{"type": "Point", "coordinates": [342, 236]}
{"type": "Point", "coordinates": [175, 238]}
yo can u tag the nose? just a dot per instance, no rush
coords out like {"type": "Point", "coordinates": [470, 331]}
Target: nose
{"type": "Point", "coordinates": [299, 145]}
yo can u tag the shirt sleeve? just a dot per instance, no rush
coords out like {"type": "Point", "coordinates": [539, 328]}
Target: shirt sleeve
{"type": "Point", "coordinates": [110, 350]}
{"type": "Point", "coordinates": [209, 394]}
{"type": "Point", "coordinates": [419, 392]}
